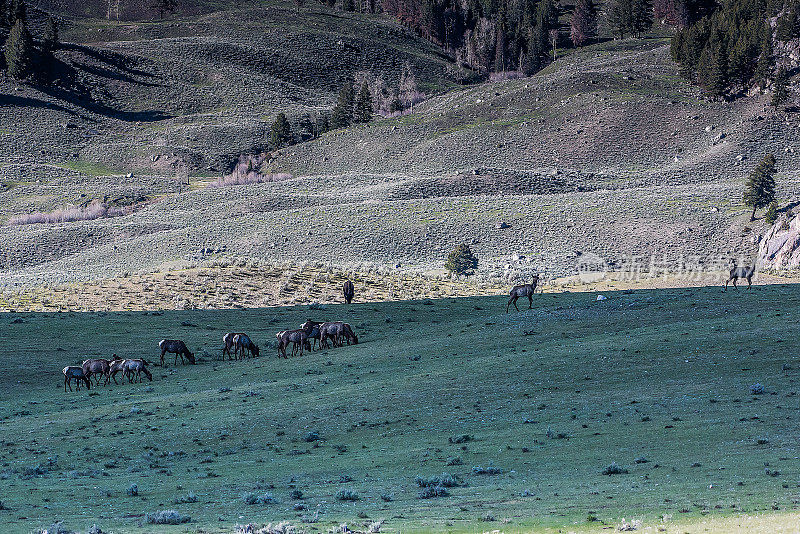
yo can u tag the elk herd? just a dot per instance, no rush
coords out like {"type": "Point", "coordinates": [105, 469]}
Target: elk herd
{"type": "Point", "coordinates": [236, 345]}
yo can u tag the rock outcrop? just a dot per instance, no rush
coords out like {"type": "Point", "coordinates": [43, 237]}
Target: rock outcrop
{"type": "Point", "coordinates": [780, 248]}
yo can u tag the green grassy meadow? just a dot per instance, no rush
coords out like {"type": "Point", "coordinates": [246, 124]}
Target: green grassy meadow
{"type": "Point", "coordinates": [655, 381]}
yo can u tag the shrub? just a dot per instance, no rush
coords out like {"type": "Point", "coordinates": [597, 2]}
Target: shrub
{"type": "Point", "coordinates": [387, 497]}
{"type": "Point", "coordinates": [345, 478]}
{"type": "Point", "coordinates": [445, 480]}
{"type": "Point", "coordinates": [347, 495]}
{"type": "Point", "coordinates": [167, 517]}
{"type": "Point", "coordinates": [433, 491]}
{"type": "Point", "coordinates": [251, 177]}
{"type": "Point", "coordinates": [296, 494]}
{"type": "Point", "coordinates": [94, 210]}
{"type": "Point", "coordinates": [253, 498]}
{"type": "Point", "coordinates": [455, 460]}
{"type": "Point", "coordinates": [614, 469]}
{"type": "Point", "coordinates": [756, 389]}
{"type": "Point", "coordinates": [132, 491]}
{"type": "Point", "coordinates": [463, 438]}
{"type": "Point", "coordinates": [771, 215]}
{"type": "Point", "coordinates": [461, 261]}
{"type": "Point", "coordinates": [311, 436]}
{"type": "Point", "coordinates": [55, 528]}
{"type": "Point", "coordinates": [488, 470]}
{"type": "Point", "coordinates": [184, 499]}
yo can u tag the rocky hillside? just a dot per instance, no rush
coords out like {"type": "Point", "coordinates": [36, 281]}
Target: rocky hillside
{"type": "Point", "coordinates": [605, 154]}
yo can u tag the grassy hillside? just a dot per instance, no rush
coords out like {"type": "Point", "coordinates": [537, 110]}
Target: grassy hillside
{"type": "Point", "coordinates": [656, 381]}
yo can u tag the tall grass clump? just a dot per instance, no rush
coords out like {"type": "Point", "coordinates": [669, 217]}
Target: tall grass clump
{"type": "Point", "coordinates": [90, 212]}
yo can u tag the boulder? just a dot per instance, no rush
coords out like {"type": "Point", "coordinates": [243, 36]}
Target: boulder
{"type": "Point", "coordinates": [780, 247]}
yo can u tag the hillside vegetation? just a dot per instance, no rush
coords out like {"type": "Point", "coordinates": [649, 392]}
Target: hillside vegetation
{"type": "Point", "coordinates": [657, 382]}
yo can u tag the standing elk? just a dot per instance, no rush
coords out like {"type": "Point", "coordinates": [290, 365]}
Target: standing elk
{"type": "Point", "coordinates": [176, 347]}
{"type": "Point", "coordinates": [349, 291]}
{"type": "Point", "coordinates": [740, 272]}
{"type": "Point", "coordinates": [229, 344]}
{"type": "Point", "coordinates": [299, 338]}
{"type": "Point", "coordinates": [312, 329]}
{"type": "Point", "coordinates": [96, 367]}
{"type": "Point", "coordinates": [524, 290]}
{"type": "Point", "coordinates": [242, 342]}
{"type": "Point", "coordinates": [337, 332]}
{"type": "Point", "coordinates": [137, 366]}
{"type": "Point", "coordinates": [73, 372]}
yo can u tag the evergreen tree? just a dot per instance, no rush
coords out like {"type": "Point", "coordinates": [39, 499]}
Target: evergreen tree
{"type": "Point", "coordinates": [760, 186]}
{"type": "Point", "coordinates": [19, 51]}
{"type": "Point", "coordinates": [583, 24]}
{"type": "Point", "coordinates": [281, 132]}
{"type": "Point", "coordinates": [712, 71]}
{"type": "Point", "coordinates": [771, 215]}
{"type": "Point", "coordinates": [641, 16]}
{"type": "Point", "coordinates": [620, 17]}
{"type": "Point", "coordinates": [349, 5]}
{"type": "Point", "coordinates": [765, 59]}
{"type": "Point", "coordinates": [18, 11]}
{"type": "Point", "coordinates": [396, 104]}
{"type": "Point", "coordinates": [363, 112]}
{"type": "Point", "coordinates": [3, 16]}
{"type": "Point", "coordinates": [461, 261]}
{"type": "Point", "coordinates": [50, 40]}
{"type": "Point", "coordinates": [780, 88]}
{"type": "Point", "coordinates": [164, 6]}
{"type": "Point", "coordinates": [342, 114]}
{"type": "Point", "coordinates": [788, 25]}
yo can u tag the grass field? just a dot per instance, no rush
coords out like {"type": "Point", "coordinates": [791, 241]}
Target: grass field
{"type": "Point", "coordinates": [658, 382]}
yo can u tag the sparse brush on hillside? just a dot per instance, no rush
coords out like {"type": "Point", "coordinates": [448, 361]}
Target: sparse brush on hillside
{"type": "Point", "coordinates": [247, 171]}
{"type": "Point", "coordinates": [94, 210]}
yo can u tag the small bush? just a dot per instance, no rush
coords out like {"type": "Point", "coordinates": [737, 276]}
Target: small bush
{"type": "Point", "coordinates": [488, 518]}
{"type": "Point", "coordinates": [432, 492]}
{"type": "Point", "coordinates": [34, 471]}
{"type": "Point", "coordinates": [55, 528]}
{"type": "Point", "coordinates": [167, 517]}
{"type": "Point", "coordinates": [488, 470]}
{"type": "Point", "coordinates": [614, 469]}
{"type": "Point", "coordinates": [387, 497]}
{"type": "Point", "coordinates": [184, 499]}
{"type": "Point", "coordinates": [251, 498]}
{"type": "Point", "coordinates": [445, 480]}
{"type": "Point", "coordinates": [771, 215]}
{"type": "Point", "coordinates": [296, 494]}
{"type": "Point", "coordinates": [95, 210]}
{"type": "Point", "coordinates": [311, 436]}
{"type": "Point", "coordinates": [280, 528]}
{"type": "Point", "coordinates": [455, 460]}
{"type": "Point", "coordinates": [347, 495]}
{"type": "Point", "coordinates": [132, 491]}
{"type": "Point", "coordinates": [757, 389]}
{"type": "Point", "coordinates": [463, 438]}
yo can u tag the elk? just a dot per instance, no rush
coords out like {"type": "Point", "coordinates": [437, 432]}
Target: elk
{"type": "Point", "coordinates": [242, 342]}
{"type": "Point", "coordinates": [349, 291]}
{"type": "Point", "coordinates": [740, 272]}
{"type": "Point", "coordinates": [114, 367]}
{"type": "Point", "coordinates": [229, 344]}
{"type": "Point", "coordinates": [73, 372]}
{"type": "Point", "coordinates": [176, 347]}
{"type": "Point", "coordinates": [138, 366]}
{"type": "Point", "coordinates": [312, 329]}
{"type": "Point", "coordinates": [97, 367]}
{"type": "Point", "coordinates": [524, 290]}
{"type": "Point", "coordinates": [336, 332]}
{"type": "Point", "coordinates": [298, 337]}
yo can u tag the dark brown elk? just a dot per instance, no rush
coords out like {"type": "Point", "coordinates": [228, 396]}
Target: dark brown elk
{"type": "Point", "coordinates": [299, 338]}
{"type": "Point", "coordinates": [524, 290]}
{"type": "Point", "coordinates": [73, 372]}
{"type": "Point", "coordinates": [177, 347]}
{"type": "Point", "coordinates": [137, 367]}
{"type": "Point", "coordinates": [745, 273]}
{"type": "Point", "coordinates": [349, 291]}
{"type": "Point", "coordinates": [228, 340]}
{"type": "Point", "coordinates": [337, 332]}
{"type": "Point", "coordinates": [96, 367]}
{"type": "Point", "coordinates": [312, 329]}
{"type": "Point", "coordinates": [242, 342]}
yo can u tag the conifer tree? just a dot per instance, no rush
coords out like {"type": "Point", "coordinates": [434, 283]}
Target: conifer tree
{"type": "Point", "coordinates": [18, 11]}
{"type": "Point", "coordinates": [620, 16]}
{"type": "Point", "coordinates": [760, 186]}
{"type": "Point", "coordinates": [641, 16]}
{"type": "Point", "coordinates": [583, 24]}
{"type": "Point", "coordinates": [461, 260]}
{"type": "Point", "coordinates": [3, 16]}
{"type": "Point", "coordinates": [771, 215]}
{"type": "Point", "coordinates": [780, 88]}
{"type": "Point", "coordinates": [342, 114]}
{"type": "Point", "coordinates": [19, 51]}
{"type": "Point", "coordinates": [363, 111]}
{"type": "Point", "coordinates": [765, 59]}
{"type": "Point", "coordinates": [281, 132]}
{"type": "Point", "coordinates": [50, 40]}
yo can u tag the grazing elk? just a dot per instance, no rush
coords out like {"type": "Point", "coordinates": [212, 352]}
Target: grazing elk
{"type": "Point", "coordinates": [114, 367]}
{"type": "Point", "coordinates": [137, 366]}
{"type": "Point", "coordinates": [299, 338]}
{"type": "Point", "coordinates": [176, 347]}
{"type": "Point", "coordinates": [337, 332]}
{"type": "Point", "coordinates": [229, 344]}
{"type": "Point", "coordinates": [349, 291]}
{"type": "Point", "coordinates": [312, 329]}
{"type": "Point", "coordinates": [242, 342]}
{"type": "Point", "coordinates": [97, 367]}
{"type": "Point", "coordinates": [73, 372]}
{"type": "Point", "coordinates": [740, 272]}
{"type": "Point", "coordinates": [524, 290]}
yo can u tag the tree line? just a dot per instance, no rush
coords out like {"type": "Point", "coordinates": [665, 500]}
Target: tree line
{"type": "Point", "coordinates": [23, 58]}
{"type": "Point", "coordinates": [731, 48]}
